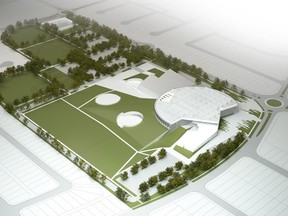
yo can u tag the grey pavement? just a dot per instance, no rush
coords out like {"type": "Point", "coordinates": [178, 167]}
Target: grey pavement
{"type": "Point", "coordinates": [64, 185]}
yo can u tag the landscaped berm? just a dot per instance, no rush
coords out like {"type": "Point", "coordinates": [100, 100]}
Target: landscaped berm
{"type": "Point", "coordinates": [103, 126]}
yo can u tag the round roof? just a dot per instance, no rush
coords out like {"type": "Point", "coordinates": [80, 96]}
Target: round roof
{"type": "Point", "coordinates": [199, 104]}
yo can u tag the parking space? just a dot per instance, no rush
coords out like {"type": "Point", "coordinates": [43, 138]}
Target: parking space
{"type": "Point", "coordinates": [192, 204]}
{"type": "Point", "coordinates": [252, 188]}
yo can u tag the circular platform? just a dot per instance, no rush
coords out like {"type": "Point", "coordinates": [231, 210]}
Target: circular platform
{"type": "Point", "coordinates": [107, 99]}
{"type": "Point", "coordinates": [129, 119]}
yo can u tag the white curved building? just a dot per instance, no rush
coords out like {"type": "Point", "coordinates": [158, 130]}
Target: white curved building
{"type": "Point", "coordinates": [199, 107]}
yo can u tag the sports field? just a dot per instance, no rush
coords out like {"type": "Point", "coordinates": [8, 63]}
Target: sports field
{"type": "Point", "coordinates": [52, 50]}
{"type": "Point", "coordinates": [83, 135]}
{"type": "Point", "coordinates": [29, 34]}
{"type": "Point", "coordinates": [140, 135]}
{"type": "Point", "coordinates": [20, 85]}
{"type": "Point", "coordinates": [63, 78]}
{"type": "Point", "coordinates": [91, 130]}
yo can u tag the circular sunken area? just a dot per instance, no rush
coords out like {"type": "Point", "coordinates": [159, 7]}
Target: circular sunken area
{"type": "Point", "coordinates": [129, 119]}
{"type": "Point", "coordinates": [107, 99]}
{"type": "Point", "coordinates": [275, 103]}
{"type": "Point", "coordinates": [181, 106]}
{"type": "Point", "coordinates": [135, 82]}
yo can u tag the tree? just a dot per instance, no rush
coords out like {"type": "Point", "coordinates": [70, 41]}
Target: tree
{"type": "Point", "coordinates": [169, 171]}
{"type": "Point", "coordinates": [234, 88]}
{"type": "Point", "coordinates": [242, 93]}
{"type": "Point", "coordinates": [25, 121]}
{"type": "Point", "coordinates": [25, 99]}
{"type": "Point", "coordinates": [18, 24]}
{"type": "Point", "coordinates": [198, 80]}
{"type": "Point", "coordinates": [121, 194]}
{"type": "Point", "coordinates": [103, 178]}
{"type": "Point", "coordinates": [124, 176]}
{"type": "Point", "coordinates": [134, 169]}
{"type": "Point", "coordinates": [144, 163]}
{"type": "Point", "coordinates": [10, 29]}
{"type": "Point", "coordinates": [9, 108]}
{"type": "Point", "coordinates": [145, 196]}
{"type": "Point", "coordinates": [16, 102]}
{"type": "Point", "coordinates": [151, 159]}
{"type": "Point", "coordinates": [217, 84]}
{"type": "Point", "coordinates": [161, 189]}
{"type": "Point", "coordinates": [205, 76]}
{"type": "Point", "coordinates": [178, 165]}
{"type": "Point", "coordinates": [143, 187]}
{"type": "Point", "coordinates": [162, 153]}
{"type": "Point", "coordinates": [162, 175]}
{"type": "Point", "coordinates": [152, 181]}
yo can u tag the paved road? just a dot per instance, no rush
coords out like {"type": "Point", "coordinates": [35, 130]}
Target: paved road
{"type": "Point", "coordinates": [64, 185]}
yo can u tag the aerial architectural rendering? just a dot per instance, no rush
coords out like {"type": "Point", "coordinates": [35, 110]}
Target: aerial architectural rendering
{"type": "Point", "coordinates": [141, 107]}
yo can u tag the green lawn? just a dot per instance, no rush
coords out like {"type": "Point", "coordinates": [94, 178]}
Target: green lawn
{"type": "Point", "coordinates": [63, 78]}
{"type": "Point", "coordinates": [20, 85]}
{"type": "Point", "coordinates": [80, 98]}
{"type": "Point", "coordinates": [139, 136]}
{"type": "Point", "coordinates": [29, 34]}
{"type": "Point", "coordinates": [167, 140]}
{"type": "Point", "coordinates": [158, 73]}
{"type": "Point", "coordinates": [185, 152]}
{"type": "Point", "coordinates": [83, 135]}
{"type": "Point", "coordinates": [274, 102]}
{"type": "Point", "coordinates": [52, 50]}
{"type": "Point", "coordinates": [140, 76]}
{"type": "Point", "coordinates": [135, 159]}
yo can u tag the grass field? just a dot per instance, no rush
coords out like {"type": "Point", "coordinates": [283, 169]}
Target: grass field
{"type": "Point", "coordinates": [274, 102]}
{"type": "Point", "coordinates": [158, 73]}
{"type": "Point", "coordinates": [134, 160]}
{"type": "Point", "coordinates": [82, 97]}
{"type": "Point", "coordinates": [29, 34]}
{"type": "Point", "coordinates": [74, 120]}
{"type": "Point", "coordinates": [186, 153]}
{"type": "Point", "coordinates": [20, 85]}
{"type": "Point", "coordinates": [168, 139]}
{"type": "Point", "coordinates": [140, 76]}
{"type": "Point", "coordinates": [63, 78]}
{"type": "Point", "coordinates": [52, 50]}
{"type": "Point", "coordinates": [139, 136]}
{"type": "Point", "coordinates": [84, 136]}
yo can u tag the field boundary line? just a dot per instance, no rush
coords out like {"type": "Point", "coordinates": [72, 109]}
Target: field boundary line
{"type": "Point", "coordinates": [94, 98]}
{"type": "Point", "coordinates": [75, 153]}
{"type": "Point", "coordinates": [99, 122]}
{"type": "Point", "coordinates": [41, 106]}
{"type": "Point", "coordinates": [39, 43]}
{"type": "Point", "coordinates": [124, 165]}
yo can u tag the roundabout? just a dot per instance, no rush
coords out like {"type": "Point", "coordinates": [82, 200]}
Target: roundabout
{"type": "Point", "coordinates": [274, 103]}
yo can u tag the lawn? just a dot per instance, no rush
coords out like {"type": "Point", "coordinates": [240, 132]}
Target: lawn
{"type": "Point", "coordinates": [83, 135]}
{"type": "Point", "coordinates": [185, 152]}
{"type": "Point", "coordinates": [139, 136]}
{"type": "Point", "coordinates": [139, 76]}
{"type": "Point", "coordinates": [63, 78]}
{"type": "Point", "coordinates": [134, 160]}
{"type": "Point", "coordinates": [29, 34]}
{"type": "Point", "coordinates": [168, 139]}
{"type": "Point", "coordinates": [274, 102]}
{"type": "Point", "coordinates": [20, 85]}
{"type": "Point", "coordinates": [158, 73]}
{"type": "Point", "coordinates": [82, 97]}
{"type": "Point", "coordinates": [52, 50]}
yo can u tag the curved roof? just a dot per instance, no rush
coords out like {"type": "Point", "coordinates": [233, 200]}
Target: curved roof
{"type": "Point", "coordinates": [199, 104]}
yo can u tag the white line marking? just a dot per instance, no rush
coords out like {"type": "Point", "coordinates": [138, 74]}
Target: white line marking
{"type": "Point", "coordinates": [101, 124]}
